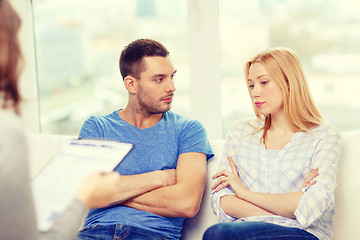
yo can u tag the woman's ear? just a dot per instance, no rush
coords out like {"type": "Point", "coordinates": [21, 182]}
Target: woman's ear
{"type": "Point", "coordinates": [130, 84]}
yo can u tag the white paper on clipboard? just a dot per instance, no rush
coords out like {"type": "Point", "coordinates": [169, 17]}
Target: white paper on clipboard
{"type": "Point", "coordinates": [56, 185]}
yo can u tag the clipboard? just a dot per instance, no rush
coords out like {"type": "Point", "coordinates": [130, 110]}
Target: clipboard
{"type": "Point", "coordinates": [56, 184]}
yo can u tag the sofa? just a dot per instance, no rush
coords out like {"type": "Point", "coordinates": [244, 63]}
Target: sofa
{"type": "Point", "coordinates": [43, 147]}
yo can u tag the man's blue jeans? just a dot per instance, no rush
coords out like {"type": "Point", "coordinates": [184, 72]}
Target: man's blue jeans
{"type": "Point", "coordinates": [254, 231]}
{"type": "Point", "coordinates": [117, 232]}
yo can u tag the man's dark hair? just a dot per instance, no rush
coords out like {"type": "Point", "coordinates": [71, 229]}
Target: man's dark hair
{"type": "Point", "coordinates": [131, 58]}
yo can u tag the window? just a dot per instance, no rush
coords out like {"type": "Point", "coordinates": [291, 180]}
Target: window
{"type": "Point", "coordinates": [78, 44]}
{"type": "Point", "coordinates": [323, 33]}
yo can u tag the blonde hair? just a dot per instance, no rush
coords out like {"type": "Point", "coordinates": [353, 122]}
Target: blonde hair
{"type": "Point", "coordinates": [285, 68]}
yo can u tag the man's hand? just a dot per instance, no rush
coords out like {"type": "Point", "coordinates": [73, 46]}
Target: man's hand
{"type": "Point", "coordinates": [183, 193]}
{"type": "Point", "coordinates": [167, 177]}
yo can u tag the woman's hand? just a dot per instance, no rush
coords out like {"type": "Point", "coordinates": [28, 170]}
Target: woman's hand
{"type": "Point", "coordinates": [99, 189]}
{"type": "Point", "coordinates": [309, 180]}
{"type": "Point", "coordinates": [232, 179]}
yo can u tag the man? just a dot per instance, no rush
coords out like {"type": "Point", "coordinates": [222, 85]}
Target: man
{"type": "Point", "coordinates": [164, 142]}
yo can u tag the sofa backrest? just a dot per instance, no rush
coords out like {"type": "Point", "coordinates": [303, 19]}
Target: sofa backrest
{"type": "Point", "coordinates": [43, 147]}
{"type": "Point", "coordinates": [347, 193]}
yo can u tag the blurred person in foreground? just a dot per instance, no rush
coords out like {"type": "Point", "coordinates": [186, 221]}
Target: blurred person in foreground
{"type": "Point", "coordinates": [18, 219]}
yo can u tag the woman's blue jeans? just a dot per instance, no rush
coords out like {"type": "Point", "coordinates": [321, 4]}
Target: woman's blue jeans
{"type": "Point", "coordinates": [117, 232]}
{"type": "Point", "coordinates": [254, 231]}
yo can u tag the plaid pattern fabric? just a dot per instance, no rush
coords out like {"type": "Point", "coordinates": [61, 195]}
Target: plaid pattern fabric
{"type": "Point", "coordinates": [319, 148]}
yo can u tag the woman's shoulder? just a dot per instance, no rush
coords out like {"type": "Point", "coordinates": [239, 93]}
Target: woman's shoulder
{"type": "Point", "coordinates": [327, 129]}
{"type": "Point", "coordinates": [246, 126]}
{"type": "Point", "coordinates": [325, 133]}
{"type": "Point", "coordinates": [248, 123]}
{"type": "Point", "coordinates": [12, 136]}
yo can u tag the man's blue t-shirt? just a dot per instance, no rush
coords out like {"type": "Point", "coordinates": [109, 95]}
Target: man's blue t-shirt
{"type": "Point", "coordinates": [155, 148]}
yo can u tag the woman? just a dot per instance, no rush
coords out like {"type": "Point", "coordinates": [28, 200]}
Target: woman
{"type": "Point", "coordinates": [18, 220]}
{"type": "Point", "coordinates": [267, 189]}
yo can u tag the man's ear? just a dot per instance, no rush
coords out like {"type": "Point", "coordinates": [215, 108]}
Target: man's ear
{"type": "Point", "coordinates": [130, 84]}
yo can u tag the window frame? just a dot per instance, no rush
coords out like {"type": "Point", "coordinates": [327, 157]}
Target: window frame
{"type": "Point", "coordinates": [205, 84]}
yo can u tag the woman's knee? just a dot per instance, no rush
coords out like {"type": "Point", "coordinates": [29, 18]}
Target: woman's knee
{"type": "Point", "coordinates": [217, 231]}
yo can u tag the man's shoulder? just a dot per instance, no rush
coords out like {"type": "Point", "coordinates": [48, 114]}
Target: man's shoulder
{"type": "Point", "coordinates": [103, 118]}
{"type": "Point", "coordinates": [181, 120]}
{"type": "Point", "coordinates": [97, 126]}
